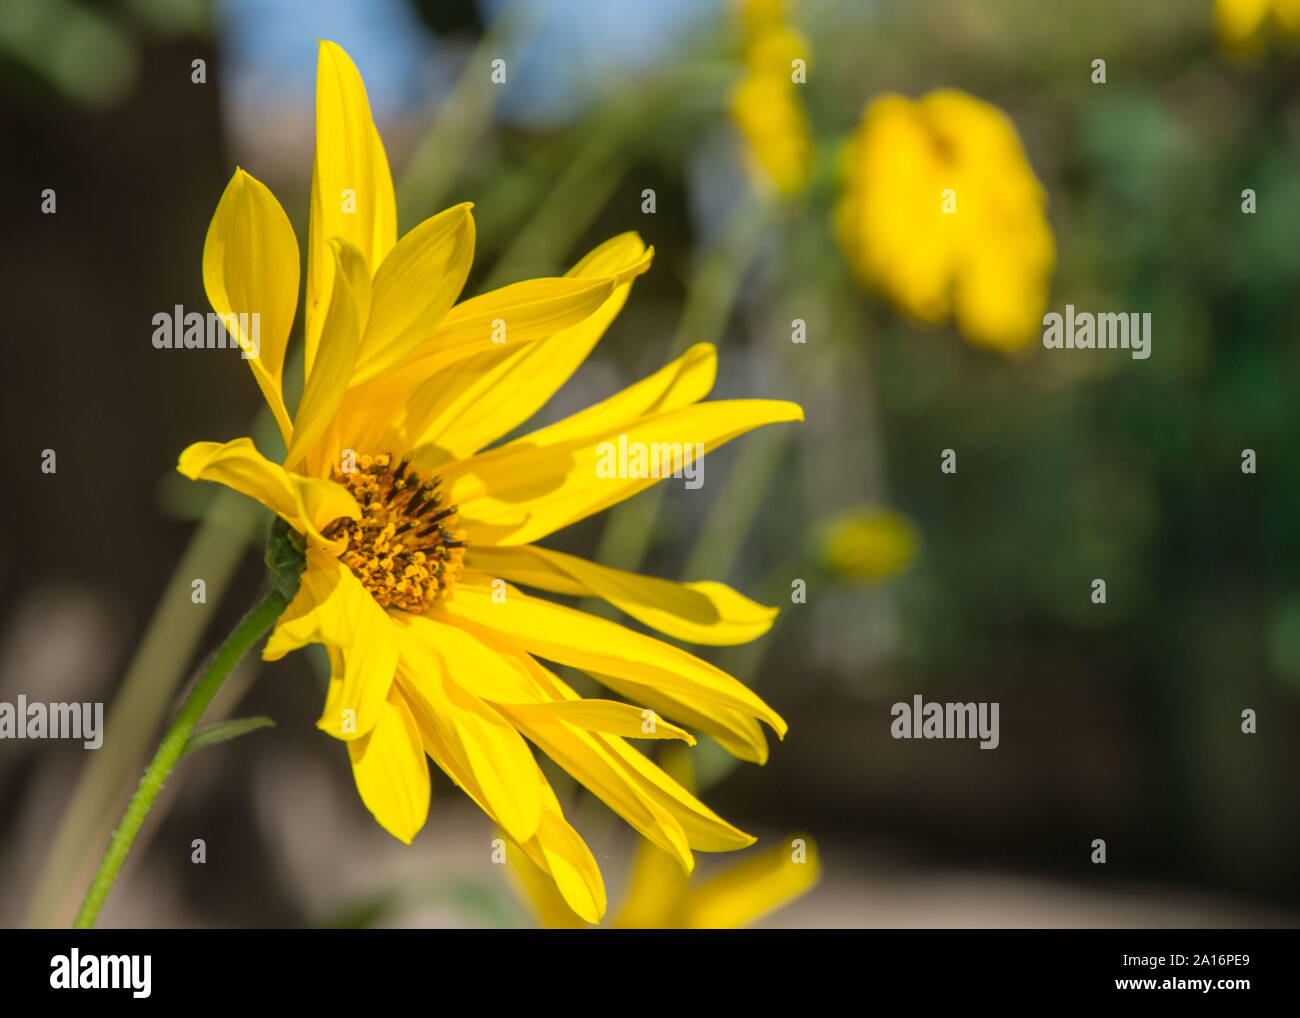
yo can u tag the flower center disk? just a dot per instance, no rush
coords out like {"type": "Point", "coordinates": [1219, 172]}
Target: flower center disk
{"type": "Point", "coordinates": [404, 549]}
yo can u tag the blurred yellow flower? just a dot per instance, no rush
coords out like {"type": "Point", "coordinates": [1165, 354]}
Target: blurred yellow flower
{"type": "Point", "coordinates": [1242, 24]}
{"type": "Point", "coordinates": [659, 895]}
{"type": "Point", "coordinates": [414, 535]}
{"type": "Point", "coordinates": [942, 213]}
{"type": "Point", "coordinates": [765, 104]}
{"type": "Point", "coordinates": [758, 16]}
{"type": "Point", "coordinates": [869, 544]}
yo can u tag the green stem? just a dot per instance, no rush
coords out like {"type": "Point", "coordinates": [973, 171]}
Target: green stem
{"type": "Point", "coordinates": [149, 685]}
{"type": "Point", "coordinates": [251, 627]}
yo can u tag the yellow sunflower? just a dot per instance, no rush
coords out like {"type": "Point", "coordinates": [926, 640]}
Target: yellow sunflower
{"type": "Point", "coordinates": [1242, 25]}
{"type": "Point", "coordinates": [941, 212]}
{"type": "Point", "coordinates": [867, 544]}
{"type": "Point", "coordinates": [414, 537]}
{"type": "Point", "coordinates": [765, 104]}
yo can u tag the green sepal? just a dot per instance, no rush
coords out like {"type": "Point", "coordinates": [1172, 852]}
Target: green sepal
{"type": "Point", "coordinates": [286, 558]}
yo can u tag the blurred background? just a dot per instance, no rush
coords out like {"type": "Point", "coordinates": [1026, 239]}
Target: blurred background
{"type": "Point", "coordinates": [1119, 721]}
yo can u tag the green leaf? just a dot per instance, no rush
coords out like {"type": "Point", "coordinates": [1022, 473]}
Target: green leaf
{"type": "Point", "coordinates": [224, 730]}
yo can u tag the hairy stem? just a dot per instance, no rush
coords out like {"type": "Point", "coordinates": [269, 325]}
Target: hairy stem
{"type": "Point", "coordinates": [251, 627]}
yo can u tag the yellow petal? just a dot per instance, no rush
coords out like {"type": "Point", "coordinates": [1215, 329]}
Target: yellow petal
{"type": "Point", "coordinates": [250, 267]}
{"type": "Point", "coordinates": [738, 733]}
{"type": "Point", "coordinates": [307, 503]}
{"type": "Point", "coordinates": [705, 830]}
{"type": "Point", "coordinates": [556, 848]}
{"type": "Point", "coordinates": [756, 887]}
{"type": "Point", "coordinates": [490, 672]}
{"type": "Point", "coordinates": [516, 563]}
{"type": "Point", "coordinates": [391, 772]}
{"type": "Point", "coordinates": [703, 612]}
{"type": "Point", "coordinates": [332, 607]}
{"type": "Point", "coordinates": [493, 751]}
{"type": "Point", "coordinates": [517, 313]}
{"type": "Point", "coordinates": [657, 805]}
{"type": "Point", "coordinates": [584, 641]}
{"type": "Point", "coordinates": [630, 784]}
{"type": "Point", "coordinates": [653, 786]}
{"type": "Point", "coordinates": [1287, 13]}
{"type": "Point", "coordinates": [339, 346]}
{"type": "Point", "coordinates": [1000, 301]}
{"type": "Point", "coordinates": [594, 766]}
{"type": "Point", "coordinates": [472, 662]}
{"type": "Point", "coordinates": [537, 308]}
{"type": "Point", "coordinates": [558, 851]}
{"type": "Point", "coordinates": [351, 188]}
{"type": "Point", "coordinates": [1237, 21]}
{"type": "Point", "coordinates": [609, 717]}
{"type": "Point", "coordinates": [680, 383]}
{"type": "Point", "coordinates": [522, 492]}
{"type": "Point", "coordinates": [440, 377]}
{"type": "Point", "coordinates": [538, 888]}
{"type": "Point", "coordinates": [655, 891]}
{"type": "Point", "coordinates": [639, 791]}
{"type": "Point", "coordinates": [414, 287]}
{"type": "Point", "coordinates": [765, 106]}
{"type": "Point", "coordinates": [533, 310]}
{"type": "Point", "coordinates": [570, 864]}
{"type": "Point", "coordinates": [890, 222]}
{"type": "Point", "coordinates": [480, 398]}
{"type": "Point", "coordinates": [624, 257]}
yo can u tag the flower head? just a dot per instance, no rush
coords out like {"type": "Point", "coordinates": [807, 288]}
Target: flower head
{"type": "Point", "coordinates": [765, 103]}
{"type": "Point", "coordinates": [417, 537]}
{"type": "Point", "coordinates": [943, 214]}
{"type": "Point", "coordinates": [868, 544]}
{"type": "Point", "coordinates": [1242, 25]}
